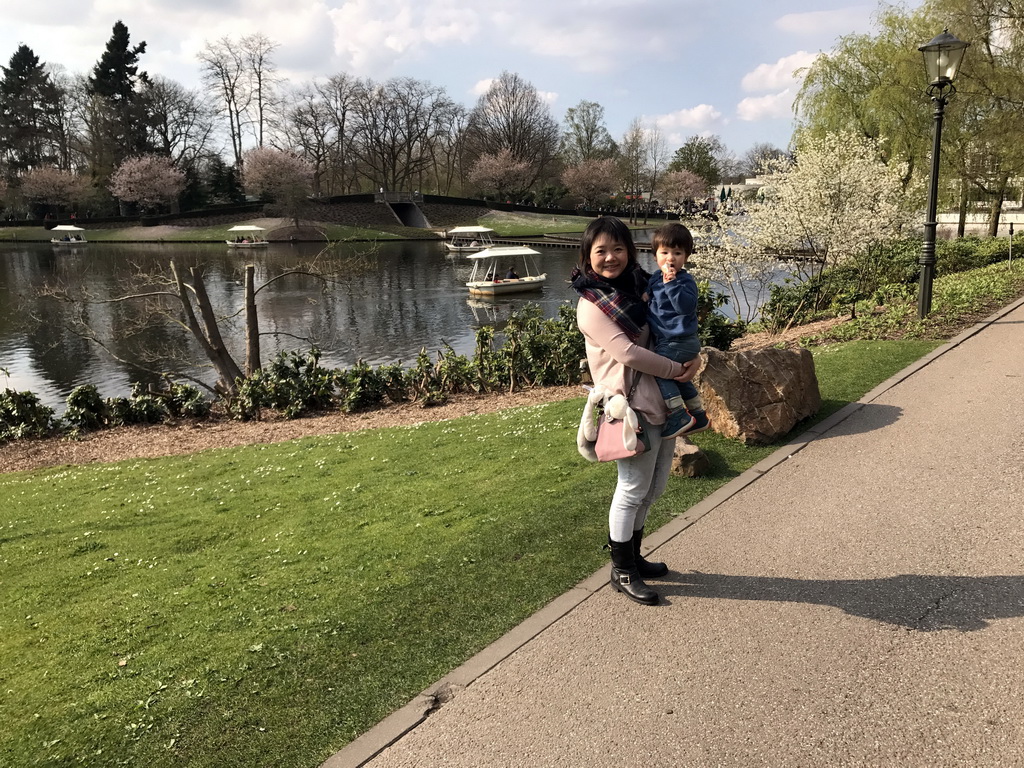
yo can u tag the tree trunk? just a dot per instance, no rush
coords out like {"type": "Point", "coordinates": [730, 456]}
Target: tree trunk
{"type": "Point", "coordinates": [207, 334]}
{"type": "Point", "coordinates": [997, 207]}
{"type": "Point", "coordinates": [252, 326]}
{"type": "Point", "coordinates": [961, 222]}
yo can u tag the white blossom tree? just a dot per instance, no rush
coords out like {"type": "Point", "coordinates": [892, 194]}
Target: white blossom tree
{"type": "Point", "coordinates": [835, 203]}
{"type": "Point", "coordinates": [830, 203]}
{"type": "Point", "coordinates": [150, 181]}
{"type": "Point", "coordinates": [279, 176]}
{"type": "Point", "coordinates": [592, 179]}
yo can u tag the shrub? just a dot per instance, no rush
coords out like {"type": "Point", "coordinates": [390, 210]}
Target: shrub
{"type": "Point", "coordinates": [23, 415]}
{"type": "Point", "coordinates": [294, 384]}
{"type": "Point", "coordinates": [86, 409]}
{"type": "Point", "coordinates": [715, 329]}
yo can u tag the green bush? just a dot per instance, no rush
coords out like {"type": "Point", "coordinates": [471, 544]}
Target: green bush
{"type": "Point", "coordinates": [294, 383]}
{"type": "Point", "coordinates": [23, 415]}
{"type": "Point", "coordinates": [85, 409]}
{"type": "Point", "coordinates": [714, 328]}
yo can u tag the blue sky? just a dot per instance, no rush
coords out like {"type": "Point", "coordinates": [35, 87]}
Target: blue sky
{"type": "Point", "coordinates": [687, 66]}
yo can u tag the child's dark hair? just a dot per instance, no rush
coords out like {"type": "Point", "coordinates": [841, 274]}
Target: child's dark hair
{"type": "Point", "coordinates": [614, 228]}
{"type": "Point", "coordinates": [672, 235]}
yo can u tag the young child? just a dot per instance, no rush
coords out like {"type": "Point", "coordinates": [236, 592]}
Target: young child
{"type": "Point", "coordinates": [672, 313]}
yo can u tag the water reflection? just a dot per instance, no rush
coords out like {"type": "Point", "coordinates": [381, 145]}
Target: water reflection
{"type": "Point", "coordinates": [385, 304]}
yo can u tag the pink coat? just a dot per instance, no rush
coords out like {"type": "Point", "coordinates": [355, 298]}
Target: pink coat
{"type": "Point", "coordinates": [610, 355]}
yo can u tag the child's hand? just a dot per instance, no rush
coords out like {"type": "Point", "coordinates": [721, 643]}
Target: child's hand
{"type": "Point", "coordinates": [668, 273]}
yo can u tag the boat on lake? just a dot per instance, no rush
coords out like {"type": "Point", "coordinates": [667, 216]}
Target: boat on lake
{"type": "Point", "coordinates": [69, 235]}
{"type": "Point", "coordinates": [496, 271]}
{"type": "Point", "coordinates": [249, 237]}
{"type": "Point", "coordinates": [469, 239]}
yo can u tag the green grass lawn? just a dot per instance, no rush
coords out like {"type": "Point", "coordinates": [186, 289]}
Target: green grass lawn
{"type": "Point", "coordinates": [262, 606]}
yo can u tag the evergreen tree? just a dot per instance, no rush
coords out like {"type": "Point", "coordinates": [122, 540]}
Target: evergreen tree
{"type": "Point", "coordinates": [27, 100]}
{"type": "Point", "coordinates": [118, 89]}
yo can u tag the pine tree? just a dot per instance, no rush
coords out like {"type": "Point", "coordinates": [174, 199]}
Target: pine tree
{"type": "Point", "coordinates": [118, 89]}
{"type": "Point", "coordinates": [27, 100]}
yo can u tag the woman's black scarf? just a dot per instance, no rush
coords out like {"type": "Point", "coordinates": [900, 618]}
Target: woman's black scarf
{"type": "Point", "coordinates": [621, 298]}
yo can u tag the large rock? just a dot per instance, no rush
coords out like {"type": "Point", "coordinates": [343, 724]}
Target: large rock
{"type": "Point", "coordinates": [689, 460]}
{"type": "Point", "coordinates": [758, 396]}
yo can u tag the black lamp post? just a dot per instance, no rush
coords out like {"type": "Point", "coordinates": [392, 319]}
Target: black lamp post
{"type": "Point", "coordinates": [942, 57]}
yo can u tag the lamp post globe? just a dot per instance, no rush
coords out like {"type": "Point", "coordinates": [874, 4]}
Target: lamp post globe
{"type": "Point", "coordinates": [943, 56]}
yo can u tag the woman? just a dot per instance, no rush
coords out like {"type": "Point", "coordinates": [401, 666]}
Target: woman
{"type": "Point", "coordinates": [612, 315]}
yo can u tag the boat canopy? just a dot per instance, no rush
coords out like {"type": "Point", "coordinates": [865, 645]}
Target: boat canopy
{"type": "Point", "coordinates": [68, 228]}
{"type": "Point", "coordinates": [469, 230]}
{"type": "Point", "coordinates": [504, 251]}
{"type": "Point", "coordinates": [246, 228]}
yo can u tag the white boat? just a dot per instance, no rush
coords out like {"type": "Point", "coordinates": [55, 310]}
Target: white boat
{"type": "Point", "coordinates": [249, 237]}
{"type": "Point", "coordinates": [469, 238]}
{"type": "Point", "coordinates": [496, 271]}
{"type": "Point", "coordinates": [70, 236]}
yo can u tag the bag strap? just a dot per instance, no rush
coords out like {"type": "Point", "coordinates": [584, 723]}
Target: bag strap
{"type": "Point", "coordinates": [636, 380]}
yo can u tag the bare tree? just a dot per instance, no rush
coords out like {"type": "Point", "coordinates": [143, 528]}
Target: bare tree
{"type": "Point", "coordinates": [183, 120]}
{"type": "Point", "coordinates": [448, 150]}
{"type": "Point", "coordinates": [225, 73]}
{"type": "Point", "coordinates": [657, 158]}
{"type": "Point", "coordinates": [512, 116]}
{"type": "Point", "coordinates": [340, 93]}
{"type": "Point", "coordinates": [633, 165]}
{"type": "Point", "coordinates": [257, 52]}
{"type": "Point", "coordinates": [309, 128]}
{"type": "Point", "coordinates": [394, 125]}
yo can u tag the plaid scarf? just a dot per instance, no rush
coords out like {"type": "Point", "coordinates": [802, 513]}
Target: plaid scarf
{"type": "Point", "coordinates": [621, 299]}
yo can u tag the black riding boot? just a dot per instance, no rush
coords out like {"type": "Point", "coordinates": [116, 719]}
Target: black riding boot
{"type": "Point", "coordinates": [626, 578]}
{"type": "Point", "coordinates": [647, 568]}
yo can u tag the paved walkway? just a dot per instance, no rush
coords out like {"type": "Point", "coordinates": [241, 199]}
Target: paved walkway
{"type": "Point", "coordinates": [857, 599]}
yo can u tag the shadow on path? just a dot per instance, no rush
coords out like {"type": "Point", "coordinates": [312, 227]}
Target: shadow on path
{"type": "Point", "coordinates": [922, 603]}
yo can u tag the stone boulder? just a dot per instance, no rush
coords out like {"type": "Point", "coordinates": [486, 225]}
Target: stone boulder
{"type": "Point", "coordinates": [689, 460]}
{"type": "Point", "coordinates": [757, 396]}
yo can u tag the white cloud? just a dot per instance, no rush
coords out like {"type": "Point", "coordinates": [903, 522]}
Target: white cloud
{"type": "Point", "coordinates": [681, 124]}
{"type": "Point", "coordinates": [768, 107]}
{"type": "Point", "coordinates": [370, 36]}
{"type": "Point", "coordinates": [842, 21]}
{"type": "Point", "coordinates": [482, 86]}
{"type": "Point", "coordinates": [774, 77]}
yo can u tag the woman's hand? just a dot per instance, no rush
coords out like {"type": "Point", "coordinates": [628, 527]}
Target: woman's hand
{"type": "Point", "coordinates": [690, 368]}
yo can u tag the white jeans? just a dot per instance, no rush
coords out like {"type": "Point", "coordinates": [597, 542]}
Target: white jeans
{"type": "Point", "coordinates": [642, 479]}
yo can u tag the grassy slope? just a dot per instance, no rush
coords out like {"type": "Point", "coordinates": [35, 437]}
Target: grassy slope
{"type": "Point", "coordinates": [262, 606]}
{"type": "Point", "coordinates": [508, 224]}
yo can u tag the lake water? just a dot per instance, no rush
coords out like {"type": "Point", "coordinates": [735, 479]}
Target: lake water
{"type": "Point", "coordinates": [387, 304]}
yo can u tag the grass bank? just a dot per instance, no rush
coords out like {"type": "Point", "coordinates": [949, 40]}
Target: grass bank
{"type": "Point", "coordinates": [262, 606]}
{"type": "Point", "coordinates": [505, 224]}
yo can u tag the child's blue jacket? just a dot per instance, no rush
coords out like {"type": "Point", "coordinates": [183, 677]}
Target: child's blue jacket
{"type": "Point", "coordinates": [672, 310]}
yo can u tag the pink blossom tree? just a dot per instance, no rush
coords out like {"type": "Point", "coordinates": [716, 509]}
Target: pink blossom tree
{"type": "Point", "coordinates": [501, 173]}
{"type": "Point", "coordinates": [592, 179]}
{"type": "Point", "coordinates": [281, 177]}
{"type": "Point", "coordinates": [47, 185]}
{"type": "Point", "coordinates": [677, 186]}
{"type": "Point", "coordinates": [148, 180]}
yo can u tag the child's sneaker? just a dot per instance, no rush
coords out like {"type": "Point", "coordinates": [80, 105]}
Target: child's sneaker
{"type": "Point", "coordinates": [677, 423]}
{"type": "Point", "coordinates": [701, 422]}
